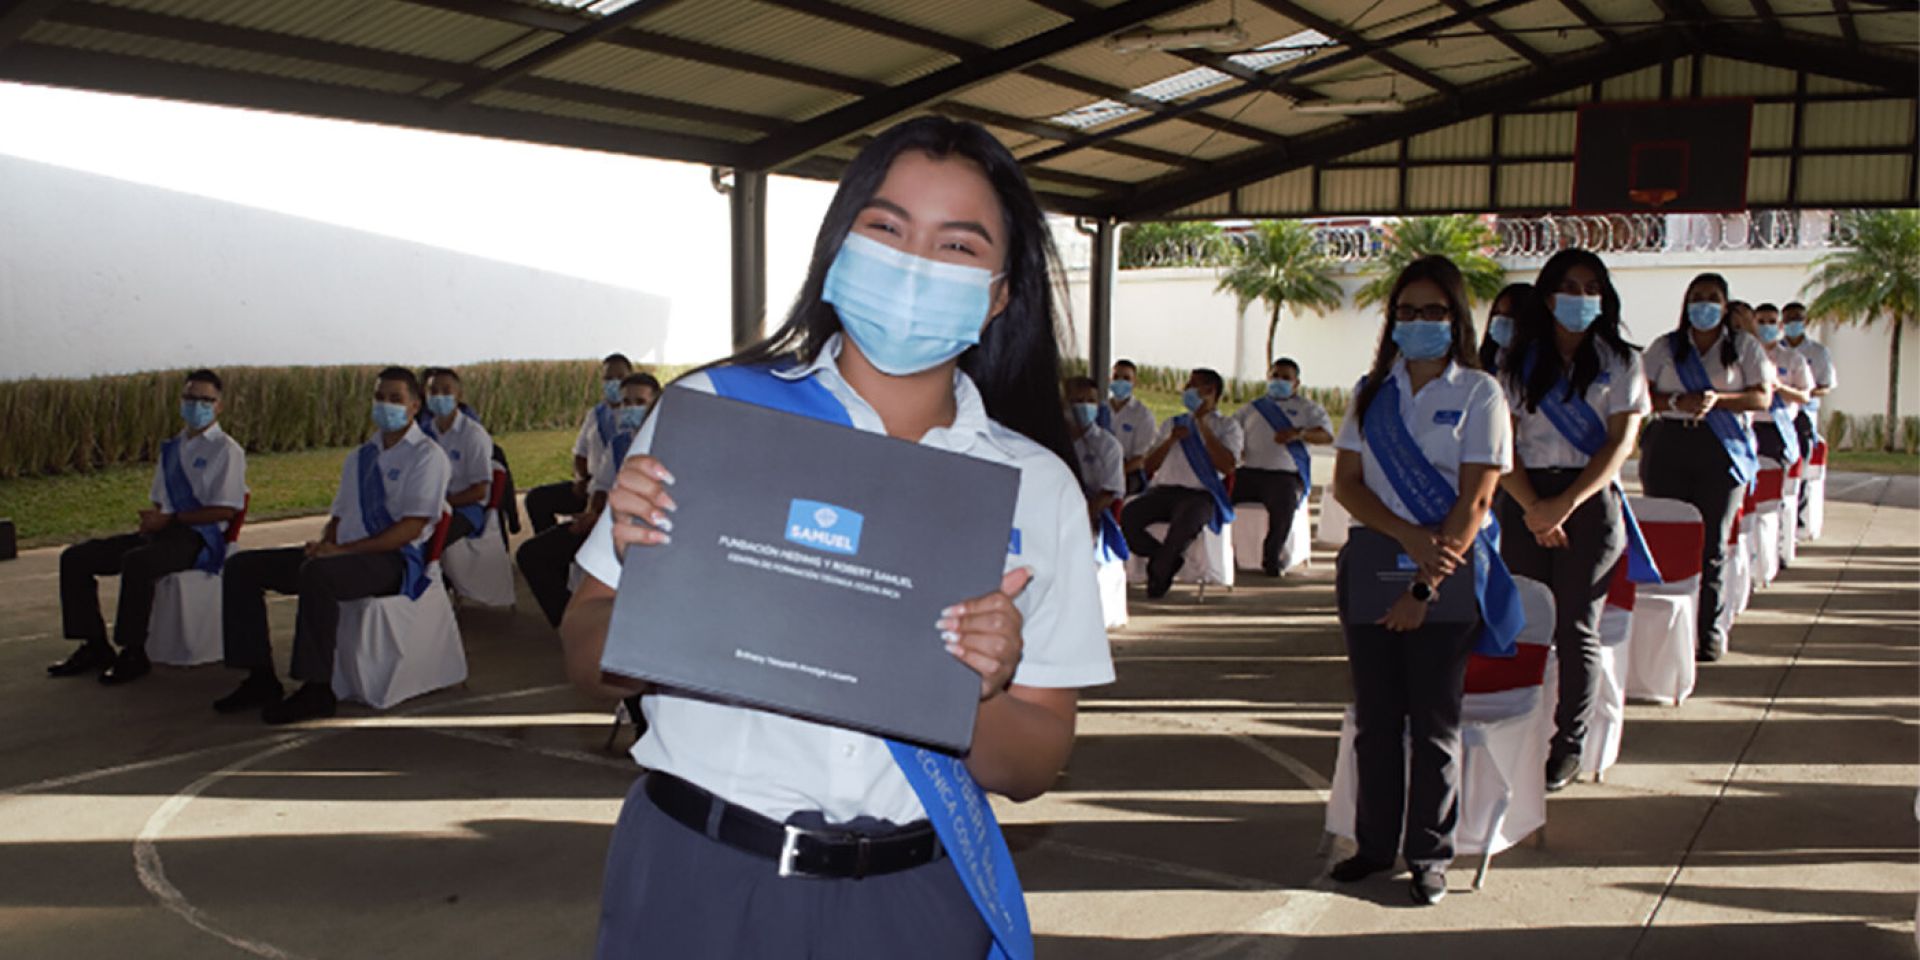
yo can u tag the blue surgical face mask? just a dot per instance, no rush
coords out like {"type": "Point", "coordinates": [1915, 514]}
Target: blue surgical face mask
{"type": "Point", "coordinates": [1423, 339]}
{"type": "Point", "coordinates": [1191, 399]}
{"type": "Point", "coordinates": [632, 417]}
{"type": "Point", "coordinates": [1279, 389]}
{"type": "Point", "coordinates": [390, 417]}
{"type": "Point", "coordinates": [1500, 329]}
{"type": "Point", "coordinates": [1796, 328]}
{"type": "Point", "coordinates": [1121, 389]}
{"type": "Point", "coordinates": [442, 404]}
{"type": "Point", "coordinates": [1574, 312]}
{"type": "Point", "coordinates": [1769, 332]}
{"type": "Point", "coordinates": [197, 413]}
{"type": "Point", "coordinates": [1085, 413]}
{"type": "Point", "coordinates": [610, 391]}
{"type": "Point", "coordinates": [906, 313]}
{"type": "Point", "coordinates": [1704, 314]}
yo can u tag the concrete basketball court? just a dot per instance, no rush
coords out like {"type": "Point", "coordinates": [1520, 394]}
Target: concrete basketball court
{"type": "Point", "coordinates": [1771, 815]}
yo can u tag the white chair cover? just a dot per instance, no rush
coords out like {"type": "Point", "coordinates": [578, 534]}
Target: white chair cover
{"type": "Point", "coordinates": [1816, 481]}
{"type": "Point", "coordinates": [478, 569]}
{"type": "Point", "coordinates": [1334, 520]}
{"type": "Point", "coordinates": [1664, 628]}
{"type": "Point", "coordinates": [1250, 535]}
{"type": "Point", "coordinates": [1209, 559]}
{"type": "Point", "coordinates": [1790, 521]}
{"type": "Point", "coordinates": [185, 625]}
{"type": "Point", "coordinates": [1609, 718]}
{"type": "Point", "coordinates": [1112, 577]}
{"type": "Point", "coordinates": [393, 649]}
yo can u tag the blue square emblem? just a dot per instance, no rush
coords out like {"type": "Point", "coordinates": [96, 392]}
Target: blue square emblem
{"type": "Point", "coordinates": [1450, 418]}
{"type": "Point", "coordinates": [824, 526]}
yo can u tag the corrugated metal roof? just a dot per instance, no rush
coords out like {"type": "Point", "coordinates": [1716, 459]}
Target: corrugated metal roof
{"type": "Point", "coordinates": [1772, 126]}
{"type": "Point", "coordinates": [1288, 193]}
{"type": "Point", "coordinates": [1536, 186]}
{"type": "Point", "coordinates": [1462, 140]}
{"type": "Point", "coordinates": [778, 33]}
{"type": "Point", "coordinates": [1767, 180]}
{"type": "Point", "coordinates": [531, 103]}
{"type": "Point", "coordinates": [1373, 189]}
{"type": "Point", "coordinates": [620, 68]}
{"type": "Point", "coordinates": [1461, 189]}
{"type": "Point", "coordinates": [224, 58]}
{"type": "Point", "coordinates": [1872, 123]}
{"type": "Point", "coordinates": [1854, 180]}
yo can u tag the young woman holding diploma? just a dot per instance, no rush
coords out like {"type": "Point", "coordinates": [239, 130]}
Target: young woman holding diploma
{"type": "Point", "coordinates": [927, 314]}
{"type": "Point", "coordinates": [1420, 453]}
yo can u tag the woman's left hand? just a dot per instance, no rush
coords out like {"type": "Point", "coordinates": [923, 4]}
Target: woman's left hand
{"type": "Point", "coordinates": [1405, 614]}
{"type": "Point", "coordinates": [984, 633]}
{"type": "Point", "coordinates": [1548, 513]}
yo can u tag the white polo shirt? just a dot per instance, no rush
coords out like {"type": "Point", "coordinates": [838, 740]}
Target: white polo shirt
{"type": "Point", "coordinates": [1792, 368]}
{"type": "Point", "coordinates": [777, 764]}
{"type": "Point", "coordinates": [1133, 426]}
{"type": "Point", "coordinates": [588, 444]}
{"type": "Point", "coordinates": [414, 474]}
{"type": "Point", "coordinates": [1261, 453]}
{"type": "Point", "coordinates": [1102, 463]}
{"type": "Point", "coordinates": [469, 450]}
{"type": "Point", "coordinates": [216, 469]}
{"type": "Point", "coordinates": [1175, 471]}
{"type": "Point", "coordinates": [1459, 417]}
{"type": "Point", "coordinates": [1820, 361]}
{"type": "Point", "coordinates": [1750, 367]}
{"type": "Point", "coordinates": [1619, 387]}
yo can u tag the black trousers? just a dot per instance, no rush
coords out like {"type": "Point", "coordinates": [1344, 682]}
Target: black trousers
{"type": "Point", "coordinates": [457, 527]}
{"type": "Point", "coordinates": [546, 560]}
{"type": "Point", "coordinates": [140, 560]}
{"type": "Point", "coordinates": [1685, 462]}
{"type": "Point", "coordinates": [547, 503]}
{"type": "Point", "coordinates": [1578, 574]}
{"type": "Point", "coordinates": [322, 585]}
{"type": "Point", "coordinates": [1185, 512]}
{"type": "Point", "coordinates": [1767, 438]}
{"type": "Point", "coordinates": [1278, 491]}
{"type": "Point", "coordinates": [1803, 425]}
{"type": "Point", "coordinates": [1408, 685]}
{"type": "Point", "coordinates": [670, 892]}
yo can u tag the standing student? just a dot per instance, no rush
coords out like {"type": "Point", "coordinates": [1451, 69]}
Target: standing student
{"type": "Point", "coordinates": [1192, 457]}
{"type": "Point", "coordinates": [1101, 460]}
{"type": "Point", "coordinates": [1577, 393]}
{"type": "Point", "coordinates": [1129, 420]}
{"type": "Point", "coordinates": [1277, 471]}
{"type": "Point", "coordinates": [1517, 305]}
{"type": "Point", "coordinates": [199, 486]}
{"type": "Point", "coordinates": [469, 450]}
{"type": "Point", "coordinates": [546, 558]}
{"type": "Point", "coordinates": [548, 503]}
{"type": "Point", "coordinates": [1775, 431]}
{"type": "Point", "coordinates": [1705, 377]}
{"type": "Point", "coordinates": [1794, 326]}
{"type": "Point", "coordinates": [392, 492]}
{"type": "Point", "coordinates": [1421, 450]}
{"type": "Point", "coordinates": [926, 315]}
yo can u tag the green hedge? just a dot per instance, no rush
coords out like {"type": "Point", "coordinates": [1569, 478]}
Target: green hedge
{"type": "Point", "coordinates": [65, 426]}
{"type": "Point", "coordinates": [1844, 431]}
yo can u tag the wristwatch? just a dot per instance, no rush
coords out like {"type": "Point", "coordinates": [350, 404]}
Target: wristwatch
{"type": "Point", "coordinates": [1421, 592]}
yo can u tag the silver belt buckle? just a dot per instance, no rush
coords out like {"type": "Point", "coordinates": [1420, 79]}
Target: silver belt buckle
{"type": "Point", "coordinates": [789, 849]}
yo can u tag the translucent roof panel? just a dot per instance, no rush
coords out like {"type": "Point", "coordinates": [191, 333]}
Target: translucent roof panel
{"type": "Point", "coordinates": [1197, 80]}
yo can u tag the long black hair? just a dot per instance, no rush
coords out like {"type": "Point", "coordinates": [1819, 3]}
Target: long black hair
{"type": "Point", "coordinates": [1523, 306]}
{"type": "Point", "coordinates": [1680, 341]}
{"type": "Point", "coordinates": [1016, 365]}
{"type": "Point", "coordinates": [1538, 340]}
{"type": "Point", "coordinates": [1443, 274]}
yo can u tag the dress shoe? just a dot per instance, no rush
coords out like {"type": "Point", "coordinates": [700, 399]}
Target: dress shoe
{"type": "Point", "coordinates": [1428, 887]}
{"type": "Point", "coordinates": [1562, 768]}
{"type": "Point", "coordinates": [1356, 868]}
{"type": "Point", "coordinates": [1270, 569]}
{"type": "Point", "coordinates": [1706, 655]}
{"type": "Point", "coordinates": [90, 658]}
{"type": "Point", "coordinates": [130, 665]}
{"type": "Point", "coordinates": [313, 701]}
{"type": "Point", "coordinates": [253, 692]}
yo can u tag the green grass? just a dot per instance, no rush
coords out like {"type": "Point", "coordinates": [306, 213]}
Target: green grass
{"type": "Point", "coordinates": [70, 507]}
{"type": "Point", "coordinates": [1873, 461]}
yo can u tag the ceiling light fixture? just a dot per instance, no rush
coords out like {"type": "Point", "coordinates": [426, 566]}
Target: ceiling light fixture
{"type": "Point", "coordinates": [1360, 105]}
{"type": "Point", "coordinates": [1216, 36]}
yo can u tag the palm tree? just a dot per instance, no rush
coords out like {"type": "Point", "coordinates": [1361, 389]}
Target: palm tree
{"type": "Point", "coordinates": [1462, 237]}
{"type": "Point", "coordinates": [1279, 263]}
{"type": "Point", "coordinates": [1879, 277]}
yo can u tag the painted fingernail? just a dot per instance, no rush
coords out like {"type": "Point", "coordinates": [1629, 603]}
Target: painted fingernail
{"type": "Point", "coordinates": [952, 639]}
{"type": "Point", "coordinates": [945, 623]}
{"type": "Point", "coordinates": [952, 611]}
{"type": "Point", "coordinates": [664, 476]}
{"type": "Point", "coordinates": [660, 520]}
{"type": "Point", "coordinates": [953, 648]}
{"type": "Point", "coordinates": [662, 538]}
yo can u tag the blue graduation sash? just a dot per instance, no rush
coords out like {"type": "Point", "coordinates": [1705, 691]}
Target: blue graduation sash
{"type": "Point", "coordinates": [603, 420]}
{"type": "Point", "coordinates": [1202, 464]}
{"type": "Point", "coordinates": [955, 804]}
{"type": "Point", "coordinates": [1743, 459]}
{"type": "Point", "coordinates": [1113, 543]}
{"type": "Point", "coordinates": [213, 543]}
{"type": "Point", "coordinates": [1783, 422]}
{"type": "Point", "coordinates": [476, 513]}
{"type": "Point", "coordinates": [375, 518]}
{"type": "Point", "coordinates": [1576, 420]}
{"type": "Point", "coordinates": [1104, 418]}
{"type": "Point", "coordinates": [1426, 492]}
{"type": "Point", "coordinates": [1278, 420]}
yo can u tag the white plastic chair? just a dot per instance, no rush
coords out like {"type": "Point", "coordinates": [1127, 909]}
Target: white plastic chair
{"type": "Point", "coordinates": [1664, 626]}
{"type": "Point", "coordinates": [478, 568]}
{"type": "Point", "coordinates": [184, 628]}
{"type": "Point", "coordinates": [392, 649]}
{"type": "Point", "coordinates": [1790, 512]}
{"type": "Point", "coordinates": [1250, 535]}
{"type": "Point", "coordinates": [1209, 559]}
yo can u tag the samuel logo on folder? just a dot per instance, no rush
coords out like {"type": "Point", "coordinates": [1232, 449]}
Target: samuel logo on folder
{"type": "Point", "coordinates": [824, 526]}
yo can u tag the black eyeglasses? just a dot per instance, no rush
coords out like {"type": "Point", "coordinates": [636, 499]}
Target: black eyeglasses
{"type": "Point", "coordinates": [189, 396]}
{"type": "Point", "coordinates": [1432, 311]}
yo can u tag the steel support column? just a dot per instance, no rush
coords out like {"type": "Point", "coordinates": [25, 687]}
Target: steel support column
{"type": "Point", "coordinates": [1106, 259]}
{"type": "Point", "coordinates": [747, 204]}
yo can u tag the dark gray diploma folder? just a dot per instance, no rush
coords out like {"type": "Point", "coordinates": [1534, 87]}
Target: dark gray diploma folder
{"type": "Point", "coordinates": [1374, 571]}
{"type": "Point", "coordinates": [809, 563]}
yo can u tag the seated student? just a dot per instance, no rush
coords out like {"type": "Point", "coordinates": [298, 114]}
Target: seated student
{"type": "Point", "coordinates": [1100, 459]}
{"type": "Point", "coordinates": [1777, 430]}
{"type": "Point", "coordinates": [546, 560]}
{"type": "Point", "coordinates": [392, 491]}
{"type": "Point", "coordinates": [469, 448]}
{"type": "Point", "coordinates": [199, 485]}
{"type": "Point", "coordinates": [1131, 423]}
{"type": "Point", "coordinates": [546, 504]}
{"type": "Point", "coordinates": [1277, 471]}
{"type": "Point", "coordinates": [1189, 489]}
{"type": "Point", "coordinates": [1793, 324]}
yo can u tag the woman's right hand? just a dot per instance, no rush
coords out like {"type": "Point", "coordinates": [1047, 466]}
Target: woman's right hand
{"type": "Point", "coordinates": [1436, 557]}
{"type": "Point", "coordinates": [1697, 404]}
{"type": "Point", "coordinates": [641, 504]}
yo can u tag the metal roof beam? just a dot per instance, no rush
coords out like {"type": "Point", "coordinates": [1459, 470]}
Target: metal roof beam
{"type": "Point", "coordinates": [1764, 10]}
{"type": "Point", "coordinates": [1352, 38]}
{"type": "Point", "coordinates": [1848, 28]}
{"type": "Point", "coordinates": [795, 144]}
{"type": "Point", "coordinates": [1877, 67]}
{"type": "Point", "coordinates": [1175, 192]}
{"type": "Point", "coordinates": [1499, 33]}
{"type": "Point", "coordinates": [1593, 23]}
{"type": "Point", "coordinates": [1202, 58]}
{"type": "Point", "coordinates": [566, 44]}
{"type": "Point", "coordinates": [19, 16]}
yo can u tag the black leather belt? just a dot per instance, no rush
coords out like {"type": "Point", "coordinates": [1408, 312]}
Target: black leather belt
{"type": "Point", "coordinates": [796, 851]}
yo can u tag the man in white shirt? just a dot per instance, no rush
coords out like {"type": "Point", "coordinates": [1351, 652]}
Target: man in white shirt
{"type": "Point", "coordinates": [1792, 389]}
{"type": "Point", "coordinates": [469, 450]}
{"type": "Point", "coordinates": [1098, 452]}
{"type": "Point", "coordinates": [1192, 456]}
{"type": "Point", "coordinates": [547, 504]}
{"type": "Point", "coordinates": [1276, 471]}
{"type": "Point", "coordinates": [1130, 422]}
{"type": "Point", "coordinates": [199, 486]}
{"type": "Point", "coordinates": [1820, 362]}
{"type": "Point", "coordinates": [392, 492]}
